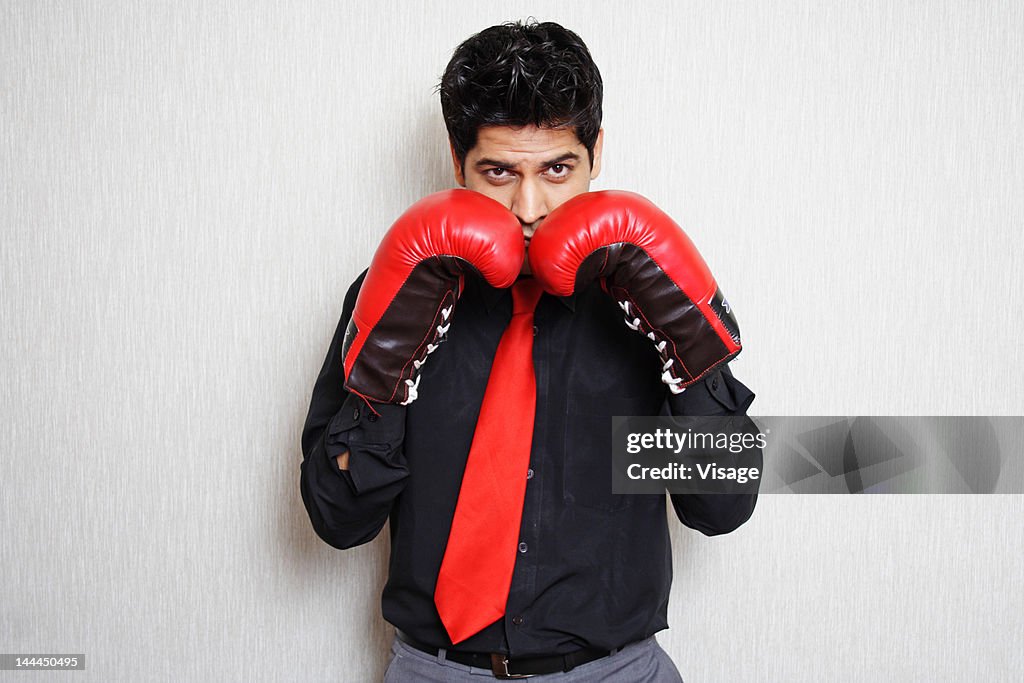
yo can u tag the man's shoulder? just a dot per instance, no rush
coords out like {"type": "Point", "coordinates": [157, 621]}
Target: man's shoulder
{"type": "Point", "coordinates": [353, 290]}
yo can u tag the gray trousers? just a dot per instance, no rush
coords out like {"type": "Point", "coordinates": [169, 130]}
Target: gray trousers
{"type": "Point", "coordinates": [640, 662]}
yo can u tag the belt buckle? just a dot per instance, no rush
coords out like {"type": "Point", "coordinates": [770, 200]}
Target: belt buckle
{"type": "Point", "coordinates": [499, 667]}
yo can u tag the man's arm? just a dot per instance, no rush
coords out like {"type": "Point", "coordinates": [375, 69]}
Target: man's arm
{"type": "Point", "coordinates": [385, 334]}
{"type": "Point", "coordinates": [717, 513]}
{"type": "Point", "coordinates": [349, 506]}
{"type": "Point", "coordinates": [668, 294]}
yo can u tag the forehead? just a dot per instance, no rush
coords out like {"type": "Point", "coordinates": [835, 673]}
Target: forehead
{"type": "Point", "coordinates": [524, 143]}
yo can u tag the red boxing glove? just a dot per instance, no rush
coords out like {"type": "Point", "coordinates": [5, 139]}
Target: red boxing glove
{"type": "Point", "coordinates": [415, 278]}
{"type": "Point", "coordinates": [650, 267]}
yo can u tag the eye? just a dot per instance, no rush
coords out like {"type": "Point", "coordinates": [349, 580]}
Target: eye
{"type": "Point", "coordinates": [497, 172]}
{"type": "Point", "coordinates": [560, 170]}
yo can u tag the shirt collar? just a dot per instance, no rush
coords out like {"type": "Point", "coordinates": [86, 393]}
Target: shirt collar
{"type": "Point", "coordinates": [493, 295]}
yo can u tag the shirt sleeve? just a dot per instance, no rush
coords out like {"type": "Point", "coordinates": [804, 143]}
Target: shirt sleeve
{"type": "Point", "coordinates": [349, 507]}
{"type": "Point", "coordinates": [718, 394]}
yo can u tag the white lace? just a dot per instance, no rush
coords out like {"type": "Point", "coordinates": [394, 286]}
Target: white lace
{"type": "Point", "coordinates": [633, 323]}
{"type": "Point", "coordinates": [412, 390]}
{"type": "Point", "coordinates": [413, 386]}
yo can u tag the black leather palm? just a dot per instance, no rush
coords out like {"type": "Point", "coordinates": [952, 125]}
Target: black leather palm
{"type": "Point", "coordinates": [401, 337]}
{"type": "Point", "coordinates": [663, 309]}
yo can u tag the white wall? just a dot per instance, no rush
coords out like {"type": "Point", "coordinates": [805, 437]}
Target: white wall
{"type": "Point", "coordinates": [188, 192]}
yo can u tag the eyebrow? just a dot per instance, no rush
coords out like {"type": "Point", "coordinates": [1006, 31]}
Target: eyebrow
{"type": "Point", "coordinates": [568, 156]}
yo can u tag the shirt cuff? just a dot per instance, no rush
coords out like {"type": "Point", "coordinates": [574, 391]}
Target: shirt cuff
{"type": "Point", "coordinates": [373, 437]}
{"type": "Point", "coordinates": [717, 394]}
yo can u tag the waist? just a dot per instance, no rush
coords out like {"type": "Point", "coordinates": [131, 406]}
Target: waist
{"type": "Point", "coordinates": [505, 667]}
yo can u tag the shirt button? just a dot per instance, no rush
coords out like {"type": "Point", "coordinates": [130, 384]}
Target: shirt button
{"type": "Point", "coordinates": [714, 382]}
{"type": "Point", "coordinates": [529, 474]}
{"type": "Point", "coordinates": [373, 417]}
{"type": "Point", "coordinates": [522, 547]}
{"type": "Point", "coordinates": [355, 415]}
{"type": "Point", "coordinates": [517, 620]}
{"type": "Point", "coordinates": [534, 330]}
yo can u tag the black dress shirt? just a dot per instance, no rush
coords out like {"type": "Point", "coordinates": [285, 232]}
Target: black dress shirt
{"type": "Point", "coordinates": [592, 569]}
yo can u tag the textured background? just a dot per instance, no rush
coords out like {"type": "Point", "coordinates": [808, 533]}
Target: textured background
{"type": "Point", "coordinates": [188, 191]}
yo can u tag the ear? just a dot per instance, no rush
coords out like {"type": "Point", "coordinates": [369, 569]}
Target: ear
{"type": "Point", "coordinates": [460, 178]}
{"type": "Point", "coordinates": [598, 146]}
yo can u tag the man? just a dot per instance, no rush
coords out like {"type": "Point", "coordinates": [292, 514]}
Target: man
{"type": "Point", "coordinates": [590, 583]}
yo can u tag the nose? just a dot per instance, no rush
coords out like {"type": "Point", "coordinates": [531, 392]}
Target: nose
{"type": "Point", "coordinates": [530, 207]}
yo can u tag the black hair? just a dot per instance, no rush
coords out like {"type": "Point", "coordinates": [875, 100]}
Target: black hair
{"type": "Point", "coordinates": [517, 74]}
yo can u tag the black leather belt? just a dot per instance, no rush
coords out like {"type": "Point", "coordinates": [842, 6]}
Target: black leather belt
{"type": "Point", "coordinates": [518, 667]}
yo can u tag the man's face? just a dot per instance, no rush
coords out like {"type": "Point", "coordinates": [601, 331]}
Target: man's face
{"type": "Point", "coordinates": [530, 170]}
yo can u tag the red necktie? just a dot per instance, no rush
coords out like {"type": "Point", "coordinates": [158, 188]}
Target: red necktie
{"type": "Point", "coordinates": [476, 572]}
